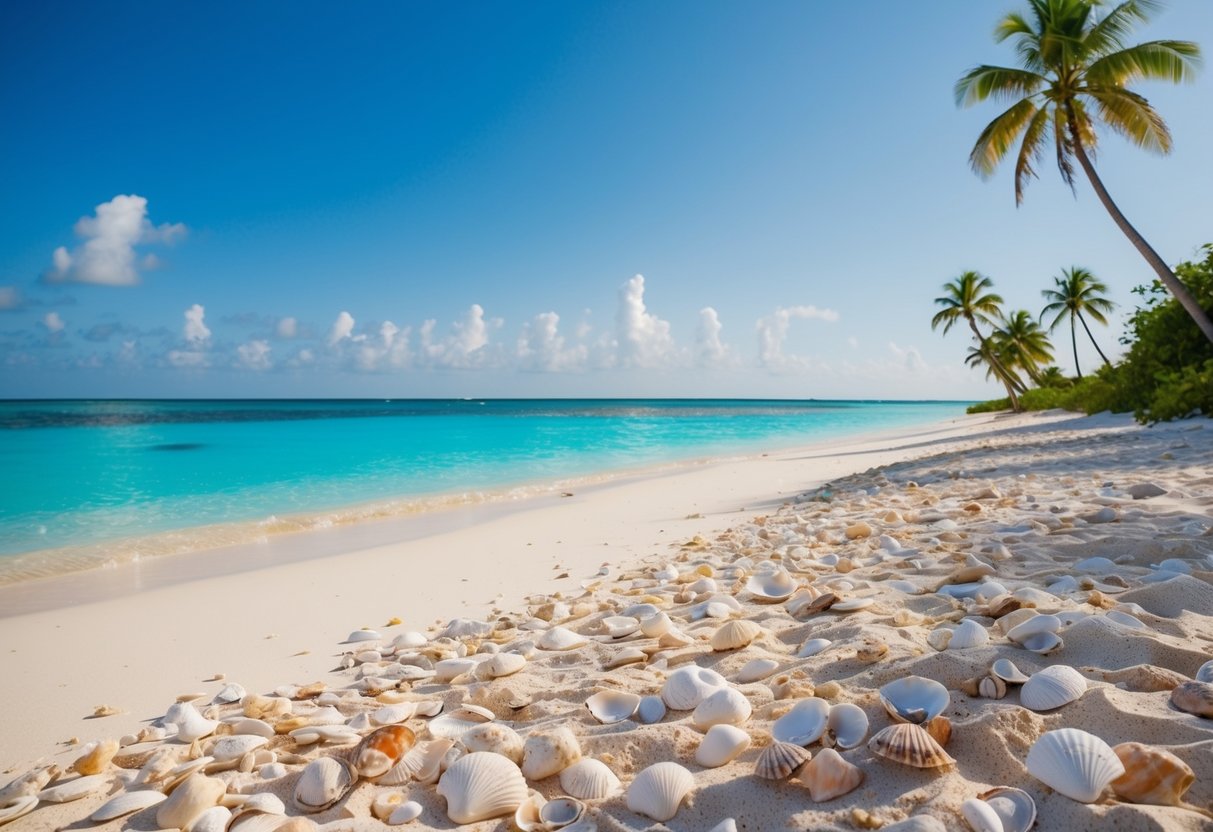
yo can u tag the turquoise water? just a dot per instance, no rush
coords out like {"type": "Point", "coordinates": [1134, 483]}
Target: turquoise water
{"type": "Point", "coordinates": [102, 473]}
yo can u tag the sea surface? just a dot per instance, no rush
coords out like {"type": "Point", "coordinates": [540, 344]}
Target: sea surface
{"type": "Point", "coordinates": [86, 483]}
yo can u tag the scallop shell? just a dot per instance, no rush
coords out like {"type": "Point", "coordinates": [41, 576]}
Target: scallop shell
{"type": "Point", "coordinates": [771, 587]}
{"type": "Point", "coordinates": [496, 738]}
{"type": "Point", "coordinates": [910, 744]}
{"type": "Point", "coordinates": [1006, 670]}
{"type": "Point", "coordinates": [658, 791]}
{"type": "Point", "coordinates": [589, 779]}
{"type": "Point", "coordinates": [197, 794]}
{"type": "Point", "coordinates": [828, 776]}
{"type": "Point", "coordinates": [914, 699]}
{"type": "Point", "coordinates": [650, 710]}
{"type": "Point", "coordinates": [1052, 687]}
{"type": "Point", "coordinates": [216, 819]}
{"type": "Point", "coordinates": [847, 726]}
{"type": "Point", "coordinates": [126, 802]}
{"type": "Point", "coordinates": [559, 638]}
{"type": "Point", "coordinates": [380, 750]}
{"type": "Point", "coordinates": [1194, 698]}
{"type": "Point", "coordinates": [69, 790]}
{"type": "Point", "coordinates": [1205, 673]}
{"type": "Point", "coordinates": [549, 753]}
{"type": "Point", "coordinates": [1014, 807]}
{"type": "Point", "coordinates": [779, 759]}
{"type": "Point", "coordinates": [687, 686]}
{"type": "Point", "coordinates": [611, 706]}
{"type": "Point", "coordinates": [1152, 775]}
{"type": "Point", "coordinates": [726, 706]}
{"type": "Point", "coordinates": [324, 781]}
{"type": "Point", "coordinates": [735, 634]}
{"type": "Point", "coordinates": [756, 670]}
{"type": "Point", "coordinates": [804, 723]}
{"type": "Point", "coordinates": [720, 745]}
{"type": "Point", "coordinates": [480, 785]}
{"type": "Point", "coordinates": [1075, 763]}
{"type": "Point", "coordinates": [421, 763]}
{"type": "Point", "coordinates": [968, 634]}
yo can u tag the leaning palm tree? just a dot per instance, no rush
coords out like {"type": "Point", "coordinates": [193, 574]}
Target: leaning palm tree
{"type": "Point", "coordinates": [968, 298]}
{"type": "Point", "coordinates": [989, 355]}
{"type": "Point", "coordinates": [1077, 292]}
{"type": "Point", "coordinates": [1074, 68]}
{"type": "Point", "coordinates": [1025, 344]}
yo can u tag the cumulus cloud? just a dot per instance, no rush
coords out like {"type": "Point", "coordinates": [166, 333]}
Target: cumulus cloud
{"type": "Point", "coordinates": [53, 322]}
{"type": "Point", "coordinates": [467, 345]}
{"type": "Point", "coordinates": [710, 351]}
{"type": "Point", "coordinates": [286, 328]}
{"type": "Point", "coordinates": [107, 254]}
{"type": "Point", "coordinates": [195, 330]}
{"type": "Point", "coordinates": [909, 358]}
{"type": "Point", "coordinates": [541, 347]}
{"type": "Point", "coordinates": [255, 355]}
{"type": "Point", "coordinates": [643, 339]}
{"type": "Point", "coordinates": [773, 331]}
{"type": "Point", "coordinates": [187, 358]}
{"type": "Point", "coordinates": [390, 350]}
{"type": "Point", "coordinates": [343, 327]}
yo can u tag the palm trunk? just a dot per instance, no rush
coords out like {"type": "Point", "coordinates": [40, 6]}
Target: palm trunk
{"type": "Point", "coordinates": [1174, 285]}
{"type": "Point", "coordinates": [1074, 344]}
{"type": "Point", "coordinates": [1092, 337]}
{"type": "Point", "coordinates": [999, 370]}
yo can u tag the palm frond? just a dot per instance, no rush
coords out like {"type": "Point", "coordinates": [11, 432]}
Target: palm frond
{"type": "Point", "coordinates": [1157, 60]}
{"type": "Point", "coordinates": [1130, 115]}
{"type": "Point", "coordinates": [996, 82]}
{"type": "Point", "coordinates": [1108, 34]}
{"type": "Point", "coordinates": [1065, 150]}
{"type": "Point", "coordinates": [998, 136]}
{"type": "Point", "coordinates": [1031, 149]}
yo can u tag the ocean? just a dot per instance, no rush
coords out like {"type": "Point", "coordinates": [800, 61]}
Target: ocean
{"type": "Point", "coordinates": [86, 483]}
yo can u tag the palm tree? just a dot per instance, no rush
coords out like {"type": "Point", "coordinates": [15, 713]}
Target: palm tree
{"type": "Point", "coordinates": [1054, 377]}
{"type": "Point", "coordinates": [1025, 344]}
{"type": "Point", "coordinates": [968, 298]}
{"type": "Point", "coordinates": [987, 355]}
{"type": "Point", "coordinates": [1077, 292]}
{"type": "Point", "coordinates": [1074, 67]}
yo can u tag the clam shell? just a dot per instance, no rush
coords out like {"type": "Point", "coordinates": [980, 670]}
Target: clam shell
{"type": "Point", "coordinates": [1034, 625]}
{"type": "Point", "coordinates": [655, 625]}
{"type": "Point", "coordinates": [804, 723]}
{"type": "Point", "coordinates": [496, 738]}
{"type": "Point", "coordinates": [914, 699]}
{"type": "Point", "coordinates": [689, 685]}
{"type": "Point", "coordinates": [720, 745]}
{"type": "Point", "coordinates": [589, 779]}
{"type": "Point", "coordinates": [1152, 775]}
{"type": "Point", "coordinates": [726, 706]}
{"type": "Point", "coordinates": [1205, 673]}
{"type": "Point", "coordinates": [771, 587]}
{"type": "Point", "coordinates": [619, 626]}
{"type": "Point", "coordinates": [911, 745]}
{"type": "Point", "coordinates": [1051, 688]}
{"type": "Point", "coordinates": [828, 776]}
{"type": "Point", "coordinates": [504, 664]}
{"type": "Point", "coordinates": [1074, 763]}
{"type": "Point", "coordinates": [324, 781]}
{"type": "Point", "coordinates": [226, 749]}
{"type": "Point", "coordinates": [980, 816]}
{"type": "Point", "coordinates": [1014, 807]}
{"type": "Point", "coordinates": [779, 759]}
{"type": "Point", "coordinates": [214, 819]}
{"type": "Point", "coordinates": [853, 604]}
{"type": "Point", "coordinates": [559, 638]}
{"type": "Point", "coordinates": [735, 634]}
{"type": "Point", "coordinates": [756, 670]}
{"type": "Point", "coordinates": [392, 714]}
{"type": "Point", "coordinates": [658, 791]}
{"type": "Point", "coordinates": [197, 794]}
{"type": "Point", "coordinates": [846, 727]}
{"type": "Point", "coordinates": [69, 790]}
{"type": "Point", "coordinates": [405, 812]}
{"type": "Point", "coordinates": [421, 763]}
{"type": "Point", "coordinates": [650, 710]}
{"type": "Point", "coordinates": [812, 647]}
{"type": "Point", "coordinates": [549, 753]}
{"type": "Point", "coordinates": [611, 706]}
{"type": "Point", "coordinates": [448, 670]}
{"type": "Point", "coordinates": [1194, 698]}
{"type": "Point", "coordinates": [968, 634]}
{"type": "Point", "coordinates": [362, 635]}
{"type": "Point", "coordinates": [453, 724]}
{"type": "Point", "coordinates": [1042, 643]}
{"type": "Point", "coordinates": [1006, 670]}
{"type": "Point", "coordinates": [229, 693]}
{"type": "Point", "coordinates": [380, 750]}
{"type": "Point", "coordinates": [479, 786]}
{"type": "Point", "coordinates": [126, 802]}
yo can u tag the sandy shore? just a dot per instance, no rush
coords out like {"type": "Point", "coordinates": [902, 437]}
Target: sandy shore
{"type": "Point", "coordinates": [1029, 499]}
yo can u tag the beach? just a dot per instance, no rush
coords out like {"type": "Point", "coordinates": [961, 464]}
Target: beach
{"type": "Point", "coordinates": [1054, 508]}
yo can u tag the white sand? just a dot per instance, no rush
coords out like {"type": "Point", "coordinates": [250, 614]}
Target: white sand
{"type": "Point", "coordinates": [282, 624]}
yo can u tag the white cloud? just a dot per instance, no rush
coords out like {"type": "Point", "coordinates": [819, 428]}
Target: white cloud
{"type": "Point", "coordinates": [466, 347]}
{"type": "Point", "coordinates": [643, 339]}
{"type": "Point", "coordinates": [287, 328]}
{"type": "Point", "coordinates": [773, 331]}
{"type": "Point", "coordinates": [255, 355]}
{"type": "Point", "coordinates": [389, 351]}
{"type": "Point", "coordinates": [709, 349]}
{"type": "Point", "coordinates": [53, 322]}
{"type": "Point", "coordinates": [10, 298]}
{"type": "Point", "coordinates": [107, 255]}
{"type": "Point", "coordinates": [909, 358]}
{"type": "Point", "coordinates": [342, 327]}
{"type": "Point", "coordinates": [541, 346]}
{"type": "Point", "coordinates": [187, 358]}
{"type": "Point", "coordinates": [195, 330]}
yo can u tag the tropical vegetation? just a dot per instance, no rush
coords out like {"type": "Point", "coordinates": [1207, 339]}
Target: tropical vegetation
{"type": "Point", "coordinates": [1077, 291]}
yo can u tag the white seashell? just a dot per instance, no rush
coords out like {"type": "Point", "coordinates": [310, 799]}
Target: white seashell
{"type": "Point", "coordinates": [405, 812]}
{"type": "Point", "coordinates": [69, 790]}
{"type": "Point", "coordinates": [657, 624]}
{"type": "Point", "coordinates": [214, 819]}
{"type": "Point", "coordinates": [1035, 624]}
{"type": "Point", "coordinates": [459, 628]}
{"type": "Point", "coordinates": [385, 803]}
{"type": "Point", "coordinates": [479, 786]}
{"type": "Point", "coordinates": [549, 753]}
{"type": "Point", "coordinates": [191, 725]}
{"type": "Point", "coordinates": [452, 724]}
{"type": "Point", "coordinates": [559, 638]}
{"type": "Point", "coordinates": [392, 714]}
{"type": "Point", "coordinates": [628, 655]}
{"type": "Point", "coordinates": [847, 725]}
{"type": "Point", "coordinates": [324, 781]}
{"type": "Point", "coordinates": [658, 791]}
{"type": "Point", "coordinates": [804, 723]}
{"type": "Point", "coordinates": [980, 816]}
{"type": "Point", "coordinates": [1006, 670]}
{"type": "Point", "coordinates": [252, 727]}
{"type": "Point", "coordinates": [1014, 807]}
{"type": "Point", "coordinates": [853, 605]}
{"type": "Point", "coordinates": [687, 686]}
{"type": "Point", "coordinates": [812, 647]}
{"type": "Point", "coordinates": [496, 738]}
{"type": "Point", "coordinates": [449, 670]}
{"type": "Point", "coordinates": [1125, 620]}
{"type": "Point", "coordinates": [650, 710]}
{"type": "Point", "coordinates": [733, 635]}
{"type": "Point", "coordinates": [421, 763]}
{"type": "Point", "coordinates": [1052, 687]}
{"type": "Point", "coordinates": [611, 706]}
{"type": "Point", "coordinates": [1205, 673]}
{"type": "Point", "coordinates": [265, 802]}
{"type": "Point", "coordinates": [272, 771]}
{"type": "Point", "coordinates": [771, 587]}
{"type": "Point", "coordinates": [589, 779]}
{"type": "Point", "coordinates": [126, 802]}
{"type": "Point", "coordinates": [235, 746]}
{"type": "Point", "coordinates": [939, 638]}
{"type": "Point", "coordinates": [914, 699]}
{"type": "Point", "coordinates": [410, 639]}
{"type": "Point", "coordinates": [726, 706]}
{"type": "Point", "coordinates": [504, 664]}
{"type": "Point", "coordinates": [362, 635]}
{"type": "Point", "coordinates": [17, 806]}
{"type": "Point", "coordinates": [1075, 763]}
{"type": "Point", "coordinates": [229, 693]}
{"type": "Point", "coordinates": [756, 670]}
{"type": "Point", "coordinates": [619, 626]}
{"type": "Point", "coordinates": [720, 745]}
{"type": "Point", "coordinates": [968, 633]}
{"type": "Point", "coordinates": [197, 794]}
{"type": "Point", "coordinates": [1042, 643]}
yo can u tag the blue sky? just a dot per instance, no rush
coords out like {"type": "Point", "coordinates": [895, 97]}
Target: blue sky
{"type": "Point", "coordinates": [435, 199]}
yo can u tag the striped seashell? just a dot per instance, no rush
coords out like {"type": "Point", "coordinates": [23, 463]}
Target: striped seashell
{"type": "Point", "coordinates": [1074, 763]}
{"type": "Point", "coordinates": [1152, 775]}
{"type": "Point", "coordinates": [779, 759]}
{"type": "Point", "coordinates": [479, 786]}
{"type": "Point", "coordinates": [421, 763]}
{"type": "Point", "coordinates": [910, 745]}
{"type": "Point", "coordinates": [1052, 687]}
{"type": "Point", "coordinates": [589, 779]}
{"type": "Point", "coordinates": [735, 634]}
{"type": "Point", "coordinates": [658, 791]}
{"type": "Point", "coordinates": [324, 782]}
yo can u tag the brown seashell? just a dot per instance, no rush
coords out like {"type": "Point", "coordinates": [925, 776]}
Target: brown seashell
{"type": "Point", "coordinates": [972, 687]}
{"type": "Point", "coordinates": [872, 651]}
{"type": "Point", "coordinates": [1194, 698]}
{"type": "Point", "coordinates": [1152, 775]}
{"type": "Point", "coordinates": [1006, 605]}
{"type": "Point", "coordinates": [779, 759]}
{"type": "Point", "coordinates": [382, 749]}
{"type": "Point", "coordinates": [819, 604]}
{"type": "Point", "coordinates": [940, 729]}
{"type": "Point", "coordinates": [828, 776]}
{"type": "Point", "coordinates": [911, 745]}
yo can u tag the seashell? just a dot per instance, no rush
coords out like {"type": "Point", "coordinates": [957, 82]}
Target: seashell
{"type": "Point", "coordinates": [804, 723]}
{"type": "Point", "coordinates": [96, 757]}
{"type": "Point", "coordinates": [1074, 763]}
{"type": "Point", "coordinates": [215, 819]}
{"type": "Point", "coordinates": [362, 635]}
{"type": "Point", "coordinates": [757, 670]}
{"type": "Point", "coordinates": [658, 791]}
{"type": "Point", "coordinates": [940, 729]}
{"type": "Point", "coordinates": [385, 803]}
{"type": "Point", "coordinates": [1032, 626]}
{"type": "Point", "coordinates": [1015, 808]}
{"type": "Point", "coordinates": [852, 604]}
{"type": "Point", "coordinates": [17, 806]}
{"type": "Point", "coordinates": [914, 699]}
{"type": "Point", "coordinates": [589, 779]}
{"type": "Point", "coordinates": [828, 776]}
{"type": "Point", "coordinates": [405, 812]}
{"type": "Point", "coordinates": [191, 725]}
{"type": "Point", "coordinates": [1052, 687]}
{"type": "Point", "coordinates": [189, 800]}
{"type": "Point", "coordinates": [655, 625]}
{"type": "Point", "coordinates": [1125, 620]}
{"type": "Point", "coordinates": [628, 655]}
{"type": "Point", "coordinates": [229, 693]}
{"type": "Point", "coordinates": [126, 802]}
{"type": "Point", "coordinates": [720, 745]}
{"type": "Point", "coordinates": [1042, 643]}
{"type": "Point", "coordinates": [804, 604]}
{"type": "Point", "coordinates": [70, 790]}
{"type": "Point", "coordinates": [968, 634]}
{"type": "Point", "coordinates": [452, 724]}
{"type": "Point", "coordinates": [227, 749]}
{"type": "Point", "coordinates": [939, 638]}
{"type": "Point", "coordinates": [504, 664]}
{"type": "Point", "coordinates": [611, 706]}
{"type": "Point", "coordinates": [871, 651]}
{"type": "Point", "coordinates": [479, 786]}
{"type": "Point", "coordinates": [812, 647]}
{"type": "Point", "coordinates": [421, 763]}
{"type": "Point", "coordinates": [771, 587]}
{"type": "Point", "coordinates": [448, 670]}
{"type": "Point", "coordinates": [1006, 670]}
{"type": "Point", "coordinates": [392, 714]}
{"type": "Point", "coordinates": [726, 706]}
{"type": "Point", "coordinates": [1152, 775]}
{"type": "Point", "coordinates": [735, 634]}
{"type": "Point", "coordinates": [779, 759]}
{"type": "Point", "coordinates": [380, 750]}
{"type": "Point", "coordinates": [911, 745]}
{"type": "Point", "coordinates": [559, 638]}
{"type": "Point", "coordinates": [256, 706]}
{"type": "Point", "coordinates": [981, 816]}
{"type": "Point", "coordinates": [991, 687]}
{"type": "Point", "coordinates": [252, 727]}
{"type": "Point", "coordinates": [1205, 673]}
{"type": "Point", "coordinates": [1194, 698]}
{"type": "Point", "coordinates": [30, 783]}
{"type": "Point", "coordinates": [650, 710]}
{"type": "Point", "coordinates": [846, 727]}
{"type": "Point", "coordinates": [549, 753]}
{"type": "Point", "coordinates": [459, 628]}
{"type": "Point", "coordinates": [1013, 619]}
{"type": "Point", "coordinates": [263, 802]}
{"type": "Point", "coordinates": [619, 626]}
{"type": "Point", "coordinates": [496, 738]}
{"type": "Point", "coordinates": [324, 781]}
{"type": "Point", "coordinates": [687, 686]}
